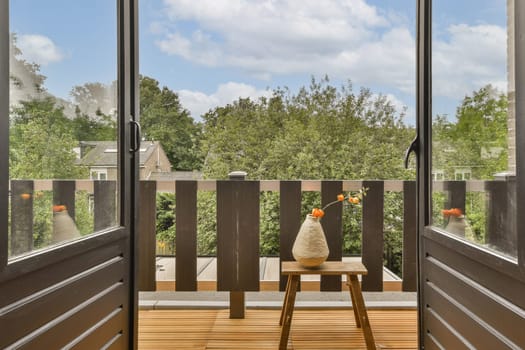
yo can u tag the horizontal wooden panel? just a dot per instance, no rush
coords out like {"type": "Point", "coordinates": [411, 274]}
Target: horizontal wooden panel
{"type": "Point", "coordinates": [503, 316]}
{"type": "Point", "coordinates": [495, 273]}
{"type": "Point", "coordinates": [462, 321]}
{"type": "Point", "coordinates": [86, 248]}
{"type": "Point", "coordinates": [103, 333]}
{"type": "Point", "coordinates": [87, 318]}
{"type": "Point", "coordinates": [50, 303]}
{"type": "Point", "coordinates": [439, 333]}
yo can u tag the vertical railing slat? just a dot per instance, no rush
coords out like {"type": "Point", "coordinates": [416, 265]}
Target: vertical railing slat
{"type": "Point", "coordinates": [238, 235]}
{"type": "Point", "coordinates": [500, 226]}
{"type": "Point", "coordinates": [64, 194]}
{"type": "Point", "coordinates": [332, 224]}
{"type": "Point", "coordinates": [372, 244]}
{"type": "Point", "coordinates": [186, 235]}
{"type": "Point", "coordinates": [105, 204]}
{"type": "Point", "coordinates": [146, 235]}
{"type": "Point", "coordinates": [22, 192]}
{"type": "Point", "coordinates": [289, 222]}
{"type": "Point", "coordinates": [409, 237]}
{"type": "Point", "coordinates": [456, 191]}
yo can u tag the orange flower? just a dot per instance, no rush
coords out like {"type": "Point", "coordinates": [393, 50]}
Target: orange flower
{"type": "Point", "coordinates": [25, 196]}
{"type": "Point", "coordinates": [317, 213]}
{"type": "Point", "coordinates": [354, 200]}
{"type": "Point", "coordinates": [452, 212]}
{"type": "Point", "coordinates": [58, 208]}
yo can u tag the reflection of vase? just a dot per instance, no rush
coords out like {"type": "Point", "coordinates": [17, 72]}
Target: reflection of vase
{"type": "Point", "coordinates": [310, 248]}
{"type": "Point", "coordinates": [64, 227]}
{"type": "Point", "coordinates": [458, 225]}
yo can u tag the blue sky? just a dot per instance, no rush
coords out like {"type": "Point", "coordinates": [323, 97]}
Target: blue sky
{"type": "Point", "coordinates": [213, 51]}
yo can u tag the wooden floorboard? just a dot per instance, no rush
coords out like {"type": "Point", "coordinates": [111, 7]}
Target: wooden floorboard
{"type": "Point", "coordinates": [311, 329]}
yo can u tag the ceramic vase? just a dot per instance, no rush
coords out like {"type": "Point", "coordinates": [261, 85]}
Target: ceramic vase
{"type": "Point", "coordinates": [310, 248]}
{"type": "Point", "coordinates": [458, 225]}
{"type": "Point", "coordinates": [64, 228]}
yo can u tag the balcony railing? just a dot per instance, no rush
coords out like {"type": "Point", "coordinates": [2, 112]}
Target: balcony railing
{"type": "Point", "coordinates": [238, 223]}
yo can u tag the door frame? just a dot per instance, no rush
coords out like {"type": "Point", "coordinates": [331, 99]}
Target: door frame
{"type": "Point", "coordinates": [500, 269]}
{"type": "Point", "coordinates": [128, 160]}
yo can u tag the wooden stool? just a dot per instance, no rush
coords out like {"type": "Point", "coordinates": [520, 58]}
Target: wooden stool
{"type": "Point", "coordinates": [351, 269]}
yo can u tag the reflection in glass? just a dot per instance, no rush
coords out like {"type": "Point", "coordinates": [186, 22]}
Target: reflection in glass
{"type": "Point", "coordinates": [473, 152]}
{"type": "Point", "coordinates": [58, 114]}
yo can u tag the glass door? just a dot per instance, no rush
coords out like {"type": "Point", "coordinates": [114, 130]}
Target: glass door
{"type": "Point", "coordinates": [67, 71]}
{"type": "Point", "coordinates": [472, 276]}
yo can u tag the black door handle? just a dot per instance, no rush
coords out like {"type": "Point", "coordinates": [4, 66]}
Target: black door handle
{"type": "Point", "coordinates": [135, 136]}
{"type": "Point", "coordinates": [414, 147]}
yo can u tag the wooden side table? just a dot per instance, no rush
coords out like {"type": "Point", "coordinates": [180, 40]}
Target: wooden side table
{"type": "Point", "coordinates": [351, 269]}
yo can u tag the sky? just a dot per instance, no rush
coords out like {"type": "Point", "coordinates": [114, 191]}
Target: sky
{"type": "Point", "coordinates": [211, 52]}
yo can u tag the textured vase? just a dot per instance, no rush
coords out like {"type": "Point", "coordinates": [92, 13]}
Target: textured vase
{"type": "Point", "coordinates": [458, 225]}
{"type": "Point", "coordinates": [64, 227]}
{"type": "Point", "coordinates": [310, 248]}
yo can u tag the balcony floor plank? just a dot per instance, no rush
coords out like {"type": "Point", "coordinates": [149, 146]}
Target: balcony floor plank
{"type": "Point", "coordinates": [311, 329]}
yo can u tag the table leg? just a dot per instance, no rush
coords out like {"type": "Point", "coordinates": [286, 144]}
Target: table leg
{"type": "Point", "coordinates": [290, 303]}
{"type": "Point", "coordinates": [285, 301]}
{"type": "Point", "coordinates": [354, 306]}
{"type": "Point", "coordinates": [360, 304]}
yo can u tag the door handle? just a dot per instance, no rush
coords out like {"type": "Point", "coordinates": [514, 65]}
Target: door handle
{"type": "Point", "coordinates": [414, 147]}
{"type": "Point", "coordinates": [135, 136]}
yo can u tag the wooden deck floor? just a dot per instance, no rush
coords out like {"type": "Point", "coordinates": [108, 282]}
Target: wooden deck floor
{"type": "Point", "coordinates": [311, 329]}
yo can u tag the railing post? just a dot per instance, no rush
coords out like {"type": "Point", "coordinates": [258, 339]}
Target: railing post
{"type": "Point", "coordinates": [186, 238]}
{"type": "Point", "coordinates": [456, 197]}
{"type": "Point", "coordinates": [373, 240]}
{"type": "Point", "coordinates": [333, 229]}
{"type": "Point", "coordinates": [64, 194]}
{"type": "Point", "coordinates": [238, 239]}
{"type": "Point", "coordinates": [289, 223]}
{"type": "Point", "coordinates": [105, 207]}
{"type": "Point", "coordinates": [147, 242]}
{"type": "Point", "coordinates": [409, 237]}
{"type": "Point", "coordinates": [501, 216]}
{"type": "Point", "coordinates": [21, 216]}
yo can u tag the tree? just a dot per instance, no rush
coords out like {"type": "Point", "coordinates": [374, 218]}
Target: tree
{"type": "Point", "coordinates": [26, 82]}
{"type": "Point", "coordinates": [95, 99]}
{"type": "Point", "coordinates": [42, 142]}
{"type": "Point", "coordinates": [86, 128]}
{"type": "Point", "coordinates": [163, 119]}
{"type": "Point", "coordinates": [321, 132]}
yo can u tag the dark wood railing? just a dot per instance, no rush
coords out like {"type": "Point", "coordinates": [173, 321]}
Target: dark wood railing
{"type": "Point", "coordinates": [238, 229]}
{"type": "Point", "coordinates": [238, 223]}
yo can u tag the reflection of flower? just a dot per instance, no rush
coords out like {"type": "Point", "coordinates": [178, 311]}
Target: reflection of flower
{"type": "Point", "coordinates": [452, 212]}
{"type": "Point", "coordinates": [58, 208]}
{"type": "Point", "coordinates": [25, 195]}
{"type": "Point", "coordinates": [348, 200]}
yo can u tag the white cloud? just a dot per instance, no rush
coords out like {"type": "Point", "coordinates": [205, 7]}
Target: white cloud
{"type": "Point", "coordinates": [39, 49]}
{"type": "Point", "coordinates": [346, 39]}
{"type": "Point", "coordinates": [266, 38]}
{"type": "Point", "coordinates": [198, 103]}
{"type": "Point", "coordinates": [472, 57]}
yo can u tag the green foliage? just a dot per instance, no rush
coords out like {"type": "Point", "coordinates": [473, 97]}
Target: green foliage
{"type": "Point", "coordinates": [163, 119]}
{"type": "Point", "coordinates": [86, 128]}
{"type": "Point", "coordinates": [269, 224]}
{"type": "Point", "coordinates": [42, 142]}
{"type": "Point", "coordinates": [319, 133]}
{"type": "Point", "coordinates": [477, 140]}
{"type": "Point", "coordinates": [206, 223]}
{"type": "Point", "coordinates": [165, 223]}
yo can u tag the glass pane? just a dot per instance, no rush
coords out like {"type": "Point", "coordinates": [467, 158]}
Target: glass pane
{"type": "Point", "coordinates": [473, 138]}
{"type": "Point", "coordinates": [62, 121]}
